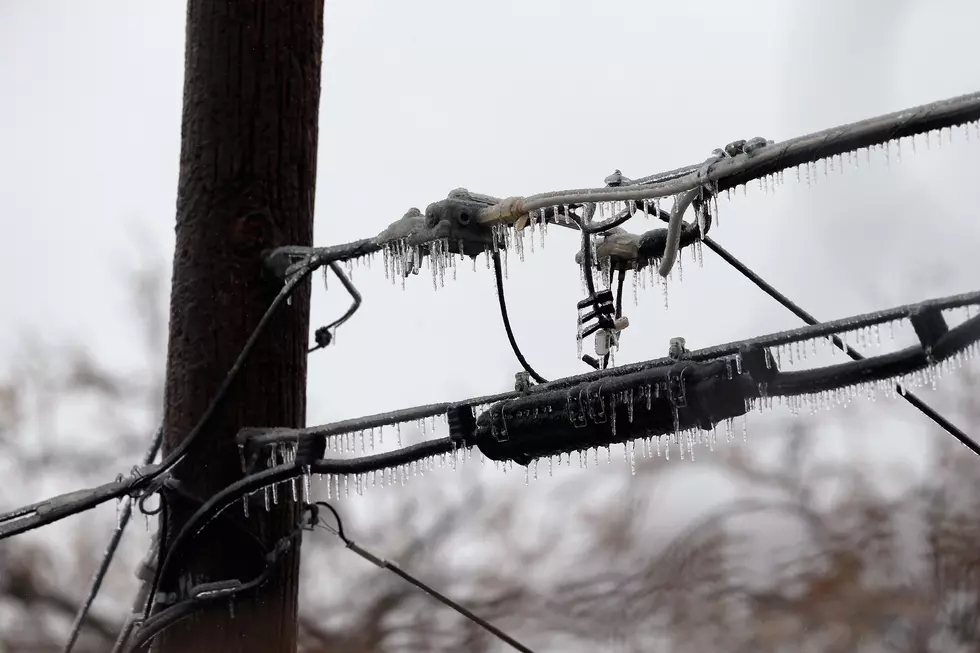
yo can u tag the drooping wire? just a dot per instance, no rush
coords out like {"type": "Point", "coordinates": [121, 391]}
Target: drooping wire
{"type": "Point", "coordinates": [57, 508]}
{"type": "Point", "coordinates": [180, 451]}
{"type": "Point", "coordinates": [324, 335]}
{"type": "Point", "coordinates": [442, 598]}
{"type": "Point", "coordinates": [620, 281]}
{"type": "Point", "coordinates": [153, 626]}
{"type": "Point", "coordinates": [125, 513]}
{"type": "Point", "coordinates": [126, 509]}
{"type": "Point", "coordinates": [587, 263]}
{"type": "Point", "coordinates": [29, 518]}
{"type": "Point", "coordinates": [503, 314]}
{"type": "Point", "coordinates": [786, 302]}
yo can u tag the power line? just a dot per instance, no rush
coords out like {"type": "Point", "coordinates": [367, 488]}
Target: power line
{"type": "Point", "coordinates": [717, 173]}
{"type": "Point", "coordinates": [158, 439]}
{"type": "Point", "coordinates": [730, 172]}
{"type": "Point", "coordinates": [54, 509]}
{"type": "Point", "coordinates": [265, 436]}
{"type": "Point", "coordinates": [324, 335]}
{"type": "Point", "coordinates": [57, 508]}
{"type": "Point", "coordinates": [540, 437]}
{"type": "Point", "coordinates": [208, 593]}
{"type": "Point", "coordinates": [390, 566]}
{"type": "Point", "coordinates": [740, 162]}
{"type": "Point", "coordinates": [125, 513]}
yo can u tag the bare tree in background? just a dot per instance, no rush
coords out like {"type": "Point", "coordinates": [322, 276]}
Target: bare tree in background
{"type": "Point", "coordinates": [863, 572]}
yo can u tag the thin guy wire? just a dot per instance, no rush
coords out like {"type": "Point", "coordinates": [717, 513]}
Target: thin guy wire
{"type": "Point", "coordinates": [906, 394]}
{"type": "Point", "coordinates": [442, 598]}
{"type": "Point", "coordinates": [110, 552]}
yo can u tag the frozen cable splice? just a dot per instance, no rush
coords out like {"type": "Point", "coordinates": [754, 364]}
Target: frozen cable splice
{"type": "Point", "coordinates": [766, 385]}
{"type": "Point", "coordinates": [678, 400]}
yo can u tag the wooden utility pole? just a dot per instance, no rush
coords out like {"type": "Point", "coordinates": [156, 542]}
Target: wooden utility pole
{"type": "Point", "coordinates": [247, 177]}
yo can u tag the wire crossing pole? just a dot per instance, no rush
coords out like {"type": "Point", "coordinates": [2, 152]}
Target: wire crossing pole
{"type": "Point", "coordinates": [246, 185]}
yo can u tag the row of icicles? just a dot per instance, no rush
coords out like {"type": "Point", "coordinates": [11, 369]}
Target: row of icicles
{"type": "Point", "coordinates": [401, 258]}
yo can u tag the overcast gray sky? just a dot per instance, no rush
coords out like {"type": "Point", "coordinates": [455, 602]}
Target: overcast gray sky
{"type": "Point", "coordinates": [505, 98]}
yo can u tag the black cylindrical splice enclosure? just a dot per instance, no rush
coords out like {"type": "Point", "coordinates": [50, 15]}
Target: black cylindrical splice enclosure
{"type": "Point", "coordinates": [651, 402]}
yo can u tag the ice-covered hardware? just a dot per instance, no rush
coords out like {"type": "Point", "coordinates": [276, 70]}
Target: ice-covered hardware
{"type": "Point", "coordinates": [462, 424]}
{"type": "Point", "coordinates": [309, 449]}
{"type": "Point", "coordinates": [618, 249]}
{"type": "Point", "coordinates": [659, 400]}
{"type": "Point", "coordinates": [677, 349]}
{"type": "Point", "coordinates": [602, 321]}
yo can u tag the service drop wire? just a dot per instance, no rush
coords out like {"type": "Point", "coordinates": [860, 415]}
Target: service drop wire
{"type": "Point", "coordinates": [233, 493]}
{"type": "Point", "coordinates": [57, 508]}
{"type": "Point", "coordinates": [502, 301]}
{"type": "Point", "coordinates": [294, 276]}
{"type": "Point", "coordinates": [404, 575]}
{"type": "Point", "coordinates": [126, 511]}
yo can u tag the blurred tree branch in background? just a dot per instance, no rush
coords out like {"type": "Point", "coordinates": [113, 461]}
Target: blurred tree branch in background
{"type": "Point", "coordinates": [804, 554]}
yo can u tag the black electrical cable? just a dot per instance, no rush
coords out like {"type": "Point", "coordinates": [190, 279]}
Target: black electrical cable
{"type": "Point", "coordinates": [153, 626]}
{"type": "Point", "coordinates": [786, 302]}
{"type": "Point", "coordinates": [161, 556]}
{"type": "Point", "coordinates": [260, 437]}
{"type": "Point", "coordinates": [111, 548]}
{"type": "Point", "coordinates": [587, 261]}
{"type": "Point", "coordinates": [323, 334]}
{"type": "Point", "coordinates": [253, 482]}
{"type": "Point", "coordinates": [606, 225]}
{"type": "Point", "coordinates": [498, 273]}
{"type": "Point", "coordinates": [148, 458]}
{"type": "Point", "coordinates": [620, 281]}
{"type": "Point", "coordinates": [175, 456]}
{"type": "Point", "coordinates": [64, 505]}
{"type": "Point", "coordinates": [53, 510]}
{"type": "Point", "coordinates": [393, 568]}
{"type": "Point", "coordinates": [163, 553]}
{"type": "Point", "coordinates": [783, 384]}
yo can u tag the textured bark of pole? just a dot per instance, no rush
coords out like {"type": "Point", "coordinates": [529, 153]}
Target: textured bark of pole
{"type": "Point", "coordinates": [247, 175]}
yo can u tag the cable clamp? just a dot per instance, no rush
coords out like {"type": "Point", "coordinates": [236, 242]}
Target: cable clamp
{"type": "Point", "coordinates": [575, 410]}
{"type": "Point", "coordinates": [498, 423]}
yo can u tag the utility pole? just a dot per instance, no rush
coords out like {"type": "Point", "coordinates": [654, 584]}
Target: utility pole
{"type": "Point", "coordinates": [247, 178]}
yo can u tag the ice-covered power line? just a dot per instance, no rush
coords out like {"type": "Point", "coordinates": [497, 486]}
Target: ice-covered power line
{"type": "Point", "coordinates": [684, 394]}
{"type": "Point", "coordinates": [125, 512]}
{"type": "Point", "coordinates": [406, 240]}
{"type": "Point", "coordinates": [940, 349]}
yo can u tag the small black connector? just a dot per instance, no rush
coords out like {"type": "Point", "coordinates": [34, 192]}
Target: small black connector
{"type": "Point", "coordinates": [309, 449]}
{"type": "Point", "coordinates": [462, 424]}
{"type": "Point", "coordinates": [323, 337]}
{"type": "Point", "coordinates": [654, 401]}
